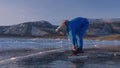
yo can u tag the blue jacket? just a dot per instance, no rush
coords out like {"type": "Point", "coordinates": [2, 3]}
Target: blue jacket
{"type": "Point", "coordinates": [77, 23]}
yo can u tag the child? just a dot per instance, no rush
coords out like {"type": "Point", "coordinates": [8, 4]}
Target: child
{"type": "Point", "coordinates": [75, 29]}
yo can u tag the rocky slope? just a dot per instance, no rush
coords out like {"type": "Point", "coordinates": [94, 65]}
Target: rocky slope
{"type": "Point", "coordinates": [104, 28]}
{"type": "Point", "coordinates": [38, 28]}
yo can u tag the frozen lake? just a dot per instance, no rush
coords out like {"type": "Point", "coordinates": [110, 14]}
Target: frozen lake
{"type": "Point", "coordinates": [30, 51]}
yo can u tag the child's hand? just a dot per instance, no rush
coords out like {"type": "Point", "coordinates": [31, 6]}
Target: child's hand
{"type": "Point", "coordinates": [73, 47]}
{"type": "Point", "coordinates": [56, 30]}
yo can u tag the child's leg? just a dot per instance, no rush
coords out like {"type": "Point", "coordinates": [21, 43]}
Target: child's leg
{"type": "Point", "coordinates": [80, 33]}
{"type": "Point", "coordinates": [73, 39]}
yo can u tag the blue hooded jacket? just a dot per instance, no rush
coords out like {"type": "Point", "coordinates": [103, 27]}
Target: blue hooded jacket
{"type": "Point", "coordinates": [76, 28]}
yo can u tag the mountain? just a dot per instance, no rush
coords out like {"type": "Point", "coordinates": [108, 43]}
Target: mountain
{"type": "Point", "coordinates": [104, 20]}
{"type": "Point", "coordinates": [38, 28]}
{"type": "Point", "coordinates": [98, 27]}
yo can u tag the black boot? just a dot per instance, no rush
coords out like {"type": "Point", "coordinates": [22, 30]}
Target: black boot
{"type": "Point", "coordinates": [77, 52]}
{"type": "Point", "coordinates": [80, 50]}
{"type": "Point", "coordinates": [74, 53]}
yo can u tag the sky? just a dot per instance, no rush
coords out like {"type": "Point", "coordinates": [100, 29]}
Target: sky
{"type": "Point", "coordinates": [54, 11]}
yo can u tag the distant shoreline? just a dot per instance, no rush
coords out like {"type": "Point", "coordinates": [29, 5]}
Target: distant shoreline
{"type": "Point", "coordinates": [107, 37]}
